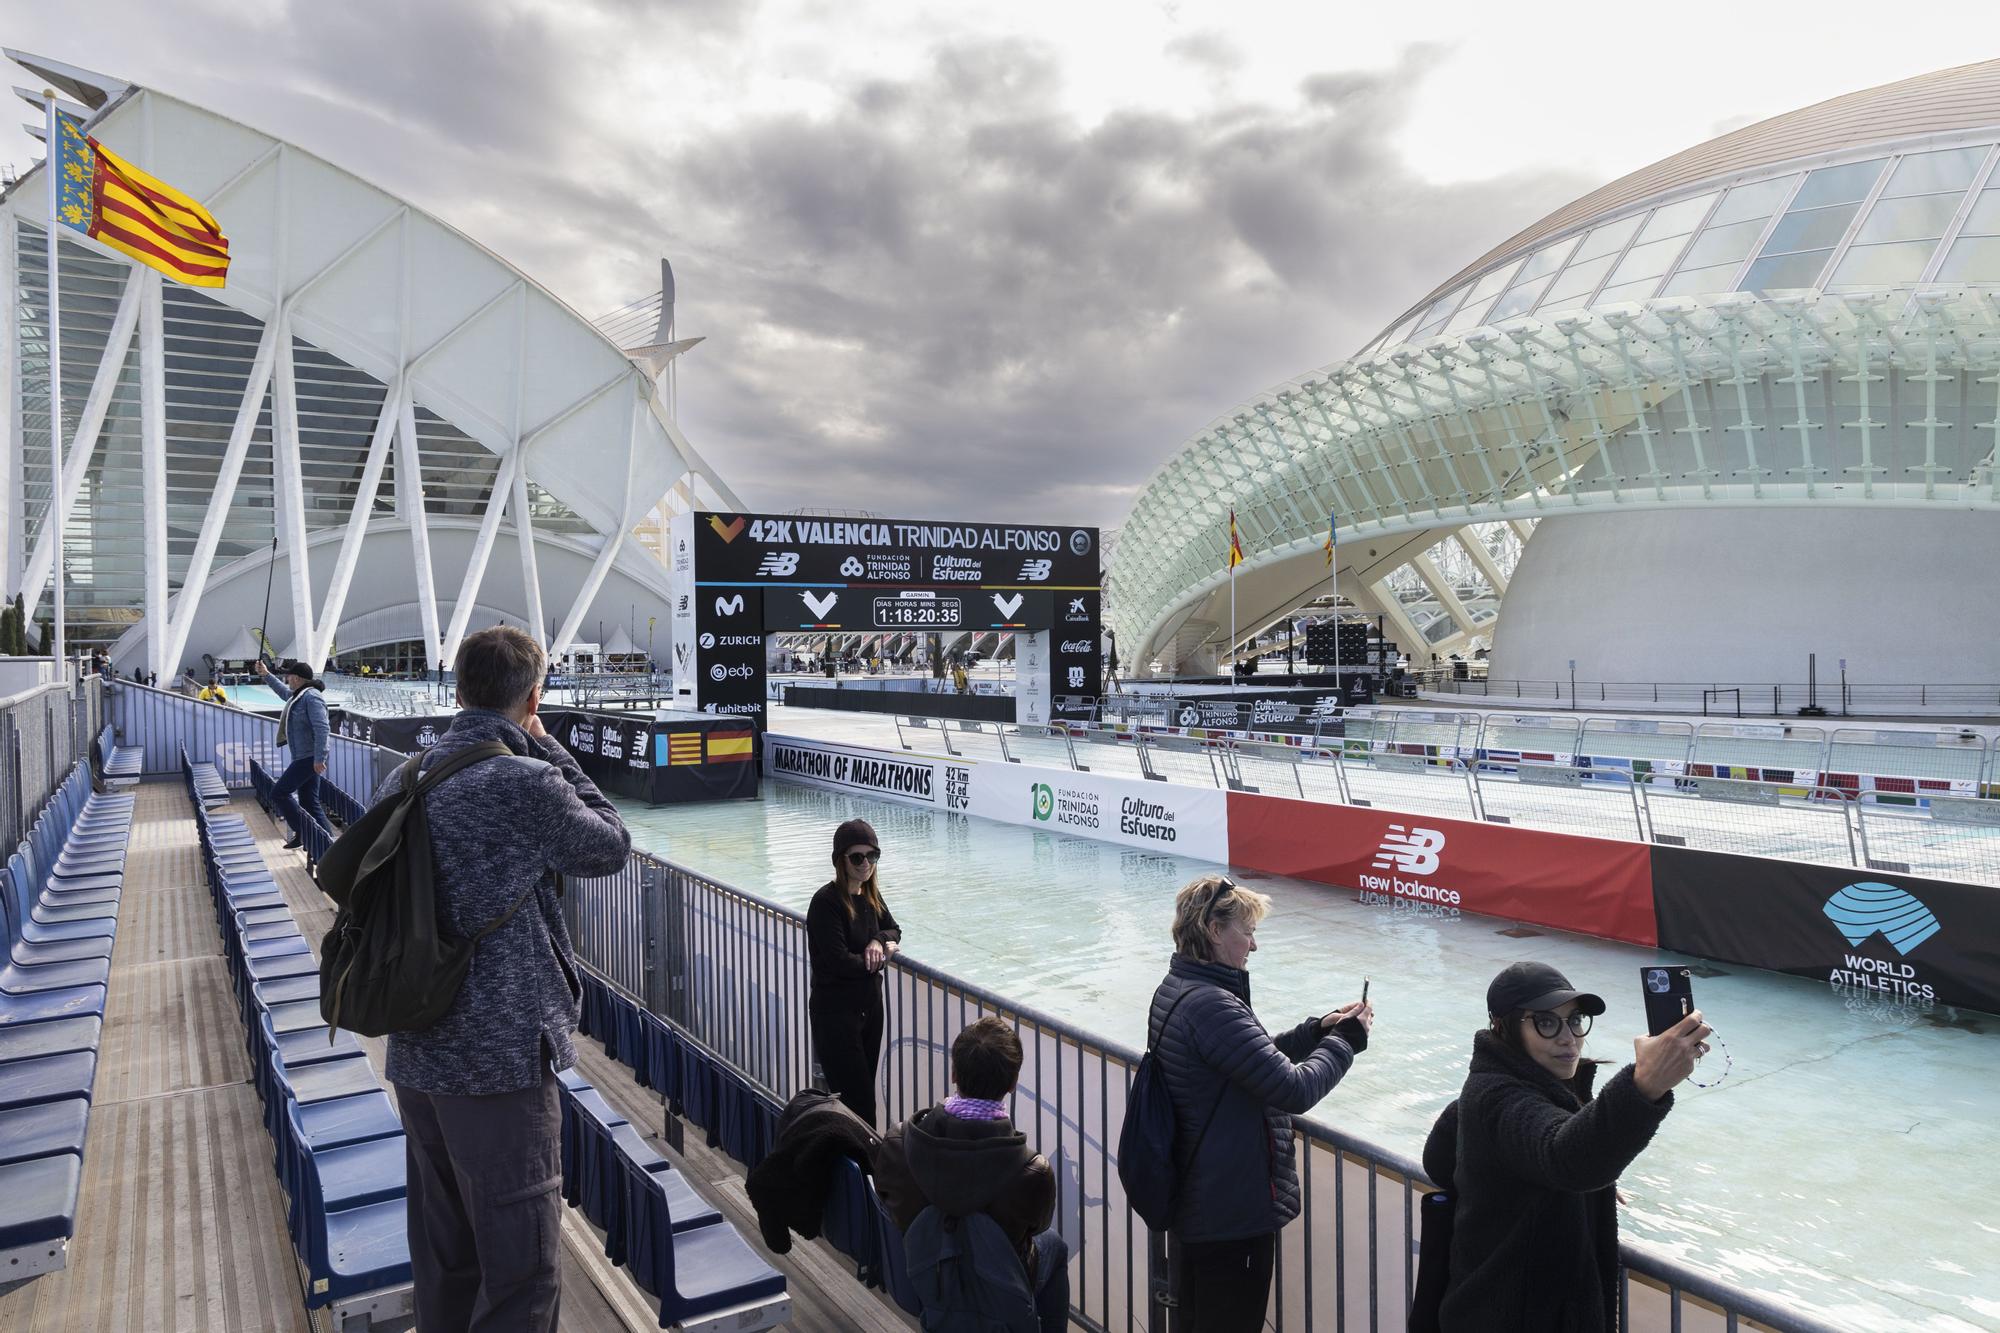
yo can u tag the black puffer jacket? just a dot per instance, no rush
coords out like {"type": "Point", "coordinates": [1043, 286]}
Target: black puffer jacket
{"type": "Point", "coordinates": [1241, 1179]}
{"type": "Point", "coordinates": [1531, 1164]}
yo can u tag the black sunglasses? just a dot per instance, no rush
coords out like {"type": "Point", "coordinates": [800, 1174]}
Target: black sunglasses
{"type": "Point", "coordinates": [1548, 1024]}
{"type": "Point", "coordinates": [863, 858]}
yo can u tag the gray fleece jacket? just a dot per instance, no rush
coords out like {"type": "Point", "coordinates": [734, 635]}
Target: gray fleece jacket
{"type": "Point", "coordinates": [498, 828]}
{"type": "Point", "coordinates": [305, 723]}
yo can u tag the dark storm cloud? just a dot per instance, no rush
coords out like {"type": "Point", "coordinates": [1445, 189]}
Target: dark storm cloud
{"type": "Point", "coordinates": [937, 296]}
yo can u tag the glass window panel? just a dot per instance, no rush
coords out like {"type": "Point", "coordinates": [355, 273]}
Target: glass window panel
{"type": "Point", "coordinates": [1676, 219]}
{"type": "Point", "coordinates": [1838, 185]}
{"type": "Point", "coordinates": [1491, 284]}
{"type": "Point", "coordinates": [1723, 245]}
{"type": "Point", "coordinates": [1918, 218]}
{"type": "Point", "coordinates": [1547, 259]}
{"type": "Point", "coordinates": [1695, 281]}
{"type": "Point", "coordinates": [1976, 259]}
{"type": "Point", "coordinates": [1780, 272]}
{"type": "Point", "coordinates": [1648, 261]}
{"type": "Point", "coordinates": [1443, 306]}
{"type": "Point", "coordinates": [1880, 265]}
{"type": "Point", "coordinates": [1519, 301]}
{"type": "Point", "coordinates": [1470, 316]}
{"type": "Point", "coordinates": [1577, 281]}
{"type": "Point", "coordinates": [1752, 201]}
{"type": "Point", "coordinates": [1923, 173]}
{"type": "Point", "coordinates": [1607, 240]}
{"type": "Point", "coordinates": [1631, 291]}
{"type": "Point", "coordinates": [1813, 229]}
{"type": "Point", "coordinates": [1984, 219]}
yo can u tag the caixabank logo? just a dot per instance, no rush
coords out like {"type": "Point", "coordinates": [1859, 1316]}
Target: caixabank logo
{"type": "Point", "coordinates": [1864, 910]}
{"type": "Point", "coordinates": [1412, 857]}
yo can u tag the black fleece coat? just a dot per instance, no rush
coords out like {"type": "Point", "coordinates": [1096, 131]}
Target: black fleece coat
{"type": "Point", "coordinates": [837, 945]}
{"type": "Point", "coordinates": [964, 1167]}
{"type": "Point", "coordinates": [1235, 1090]}
{"type": "Point", "coordinates": [789, 1187]}
{"type": "Point", "coordinates": [1532, 1164]}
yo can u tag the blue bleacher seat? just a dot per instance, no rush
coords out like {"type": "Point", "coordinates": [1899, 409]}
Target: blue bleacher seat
{"type": "Point", "coordinates": [40, 1130]}
{"type": "Point", "coordinates": [894, 1271]}
{"type": "Point", "coordinates": [697, 1272]}
{"type": "Point", "coordinates": [849, 1221]}
{"type": "Point", "coordinates": [25, 978]}
{"type": "Point", "coordinates": [38, 1203]}
{"type": "Point", "coordinates": [53, 1037]}
{"type": "Point", "coordinates": [41, 1006]}
{"type": "Point", "coordinates": [47, 1078]}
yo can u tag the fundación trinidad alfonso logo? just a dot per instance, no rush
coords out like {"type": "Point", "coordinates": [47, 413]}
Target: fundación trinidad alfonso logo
{"type": "Point", "coordinates": [1410, 851]}
{"type": "Point", "coordinates": [1899, 916]}
{"type": "Point", "coordinates": [1045, 800]}
{"type": "Point", "coordinates": [727, 531]}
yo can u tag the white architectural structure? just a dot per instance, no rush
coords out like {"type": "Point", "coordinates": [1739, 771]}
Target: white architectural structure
{"type": "Point", "coordinates": [1792, 329]}
{"type": "Point", "coordinates": [369, 408]}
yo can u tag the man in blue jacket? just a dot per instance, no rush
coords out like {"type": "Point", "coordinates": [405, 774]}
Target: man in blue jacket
{"type": "Point", "coordinates": [303, 733]}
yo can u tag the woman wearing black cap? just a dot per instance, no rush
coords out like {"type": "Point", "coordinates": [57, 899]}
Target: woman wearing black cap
{"type": "Point", "coordinates": [1531, 1157]}
{"type": "Point", "coordinates": [850, 937]}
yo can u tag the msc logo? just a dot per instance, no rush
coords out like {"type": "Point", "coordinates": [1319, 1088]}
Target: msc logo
{"type": "Point", "coordinates": [707, 641]}
{"type": "Point", "coordinates": [1413, 851]}
{"type": "Point", "coordinates": [1045, 800]}
{"type": "Point", "coordinates": [727, 531]}
{"type": "Point", "coordinates": [779, 565]}
{"type": "Point", "coordinates": [729, 606]}
{"type": "Point", "coordinates": [1036, 571]}
{"type": "Point", "coordinates": [1861, 910]}
{"type": "Point", "coordinates": [850, 568]}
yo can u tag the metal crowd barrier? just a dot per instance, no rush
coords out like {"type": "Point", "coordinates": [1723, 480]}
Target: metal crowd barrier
{"type": "Point", "coordinates": [729, 969]}
{"type": "Point", "coordinates": [161, 721]}
{"type": "Point", "coordinates": [44, 730]}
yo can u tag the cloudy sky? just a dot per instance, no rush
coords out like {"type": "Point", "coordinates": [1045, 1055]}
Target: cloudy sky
{"type": "Point", "coordinates": [988, 261]}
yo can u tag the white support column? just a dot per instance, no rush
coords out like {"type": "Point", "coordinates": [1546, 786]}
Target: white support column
{"type": "Point", "coordinates": [248, 409]}
{"type": "Point", "coordinates": [358, 516]}
{"type": "Point", "coordinates": [410, 501]}
{"type": "Point", "coordinates": [531, 577]}
{"type": "Point", "coordinates": [153, 465]}
{"type": "Point", "coordinates": [612, 541]}
{"type": "Point", "coordinates": [482, 551]}
{"type": "Point", "coordinates": [288, 480]}
{"type": "Point", "coordinates": [76, 461]}
{"type": "Point", "coordinates": [11, 444]}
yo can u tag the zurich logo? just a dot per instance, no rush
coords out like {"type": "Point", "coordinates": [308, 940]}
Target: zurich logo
{"type": "Point", "coordinates": [1861, 910]}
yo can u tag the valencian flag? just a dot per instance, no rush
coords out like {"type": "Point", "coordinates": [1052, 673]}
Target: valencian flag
{"type": "Point", "coordinates": [113, 202]}
{"type": "Point", "coordinates": [1331, 529]}
{"type": "Point", "coordinates": [1235, 542]}
{"type": "Point", "coordinates": [683, 747]}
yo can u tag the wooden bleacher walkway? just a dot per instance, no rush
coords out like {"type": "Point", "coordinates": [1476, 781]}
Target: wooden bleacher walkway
{"type": "Point", "coordinates": [181, 1221]}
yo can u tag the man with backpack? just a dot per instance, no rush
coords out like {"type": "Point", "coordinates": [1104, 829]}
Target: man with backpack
{"type": "Point", "coordinates": [477, 1088]}
{"type": "Point", "coordinates": [962, 1184]}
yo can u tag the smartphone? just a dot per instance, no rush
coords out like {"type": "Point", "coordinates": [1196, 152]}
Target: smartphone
{"type": "Point", "coordinates": [1364, 990]}
{"type": "Point", "coordinates": [1669, 995]}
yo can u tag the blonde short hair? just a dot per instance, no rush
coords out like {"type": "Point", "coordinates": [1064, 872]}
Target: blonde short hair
{"type": "Point", "coordinates": [1210, 899]}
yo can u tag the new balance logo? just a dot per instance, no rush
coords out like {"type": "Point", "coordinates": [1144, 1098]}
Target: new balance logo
{"type": "Point", "coordinates": [779, 565]}
{"type": "Point", "coordinates": [1036, 571]}
{"type": "Point", "coordinates": [1412, 851]}
{"type": "Point", "coordinates": [1861, 910]}
{"type": "Point", "coordinates": [729, 606]}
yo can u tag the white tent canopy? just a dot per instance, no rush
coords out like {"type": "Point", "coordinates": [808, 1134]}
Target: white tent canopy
{"type": "Point", "coordinates": [619, 644]}
{"type": "Point", "coordinates": [242, 648]}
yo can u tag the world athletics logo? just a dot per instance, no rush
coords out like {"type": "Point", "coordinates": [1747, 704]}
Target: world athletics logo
{"type": "Point", "coordinates": [1865, 909]}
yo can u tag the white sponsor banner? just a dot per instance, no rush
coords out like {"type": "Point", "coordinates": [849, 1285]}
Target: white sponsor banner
{"type": "Point", "coordinates": [1156, 816]}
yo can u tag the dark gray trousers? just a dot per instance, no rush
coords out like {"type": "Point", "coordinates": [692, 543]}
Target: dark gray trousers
{"type": "Point", "coordinates": [485, 1209]}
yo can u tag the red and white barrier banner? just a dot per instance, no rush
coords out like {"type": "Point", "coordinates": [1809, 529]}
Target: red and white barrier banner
{"type": "Point", "coordinates": [1594, 886]}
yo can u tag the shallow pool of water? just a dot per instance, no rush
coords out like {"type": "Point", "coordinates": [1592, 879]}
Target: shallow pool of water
{"type": "Point", "coordinates": [1847, 1165]}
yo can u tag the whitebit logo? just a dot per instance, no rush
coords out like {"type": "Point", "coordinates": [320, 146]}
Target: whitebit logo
{"type": "Point", "coordinates": [779, 565]}
{"type": "Point", "coordinates": [850, 568]}
{"type": "Point", "coordinates": [819, 606]}
{"type": "Point", "coordinates": [1412, 851]}
{"type": "Point", "coordinates": [1007, 606]}
{"type": "Point", "coordinates": [729, 606]}
{"type": "Point", "coordinates": [707, 642]}
{"type": "Point", "coordinates": [1036, 571]}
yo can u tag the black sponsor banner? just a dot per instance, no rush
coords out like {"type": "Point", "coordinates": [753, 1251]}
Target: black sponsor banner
{"type": "Point", "coordinates": [905, 703]}
{"type": "Point", "coordinates": [678, 757]}
{"type": "Point", "coordinates": [798, 549]}
{"type": "Point", "coordinates": [729, 632]}
{"type": "Point", "coordinates": [1263, 710]}
{"type": "Point", "coordinates": [1076, 661]}
{"type": "Point", "coordinates": [406, 735]}
{"type": "Point", "coordinates": [1887, 936]}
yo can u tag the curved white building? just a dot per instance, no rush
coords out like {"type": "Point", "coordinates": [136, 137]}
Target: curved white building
{"type": "Point", "coordinates": [393, 429]}
{"type": "Point", "coordinates": [1738, 406]}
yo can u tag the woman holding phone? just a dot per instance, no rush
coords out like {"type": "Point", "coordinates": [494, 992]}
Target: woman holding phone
{"type": "Point", "coordinates": [1531, 1152]}
{"type": "Point", "coordinates": [850, 938]}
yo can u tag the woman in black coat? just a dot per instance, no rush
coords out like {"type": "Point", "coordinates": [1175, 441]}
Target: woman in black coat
{"type": "Point", "coordinates": [1530, 1154]}
{"type": "Point", "coordinates": [1235, 1089]}
{"type": "Point", "coordinates": [850, 937]}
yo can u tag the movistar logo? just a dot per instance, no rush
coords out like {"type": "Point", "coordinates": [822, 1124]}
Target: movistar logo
{"type": "Point", "coordinates": [1899, 916]}
{"type": "Point", "coordinates": [1045, 800]}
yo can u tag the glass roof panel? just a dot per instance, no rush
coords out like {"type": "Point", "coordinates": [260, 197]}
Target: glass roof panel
{"type": "Point", "coordinates": [1915, 218]}
{"type": "Point", "coordinates": [1607, 239]}
{"type": "Point", "coordinates": [1974, 259]}
{"type": "Point", "coordinates": [1783, 272]}
{"type": "Point", "coordinates": [1984, 219]}
{"type": "Point", "coordinates": [1724, 245]}
{"type": "Point", "coordinates": [1519, 301]}
{"type": "Point", "coordinates": [1547, 259]}
{"type": "Point", "coordinates": [1630, 291]}
{"type": "Point", "coordinates": [1491, 284]}
{"type": "Point", "coordinates": [1695, 281]}
{"type": "Point", "coordinates": [1838, 185]}
{"type": "Point", "coordinates": [1810, 229]}
{"type": "Point", "coordinates": [1648, 261]}
{"type": "Point", "coordinates": [1923, 173]}
{"type": "Point", "coordinates": [1882, 265]}
{"type": "Point", "coordinates": [1758, 200]}
{"type": "Point", "coordinates": [1676, 219]}
{"type": "Point", "coordinates": [1577, 282]}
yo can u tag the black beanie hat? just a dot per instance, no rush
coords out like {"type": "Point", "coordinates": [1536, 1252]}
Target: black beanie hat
{"type": "Point", "coordinates": [854, 833]}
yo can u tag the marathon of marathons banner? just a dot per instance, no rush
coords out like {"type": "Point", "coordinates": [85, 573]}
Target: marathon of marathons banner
{"type": "Point", "coordinates": [1864, 932]}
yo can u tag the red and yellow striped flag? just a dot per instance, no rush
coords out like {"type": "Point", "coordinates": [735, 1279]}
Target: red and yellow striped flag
{"type": "Point", "coordinates": [1235, 542]}
{"type": "Point", "coordinates": [683, 747]}
{"type": "Point", "coordinates": [114, 203]}
{"type": "Point", "coordinates": [730, 747]}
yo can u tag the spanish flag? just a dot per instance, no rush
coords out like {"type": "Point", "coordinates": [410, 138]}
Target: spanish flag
{"type": "Point", "coordinates": [114, 203]}
{"type": "Point", "coordinates": [730, 747]}
{"type": "Point", "coordinates": [1235, 542]}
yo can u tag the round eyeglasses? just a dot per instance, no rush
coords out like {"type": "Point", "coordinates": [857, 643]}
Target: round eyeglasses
{"type": "Point", "coordinates": [1549, 1025]}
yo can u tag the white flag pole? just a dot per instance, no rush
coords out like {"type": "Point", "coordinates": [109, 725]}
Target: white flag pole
{"type": "Point", "coordinates": [50, 163]}
{"type": "Point", "coordinates": [1333, 550]}
{"type": "Point", "coordinates": [1229, 558]}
